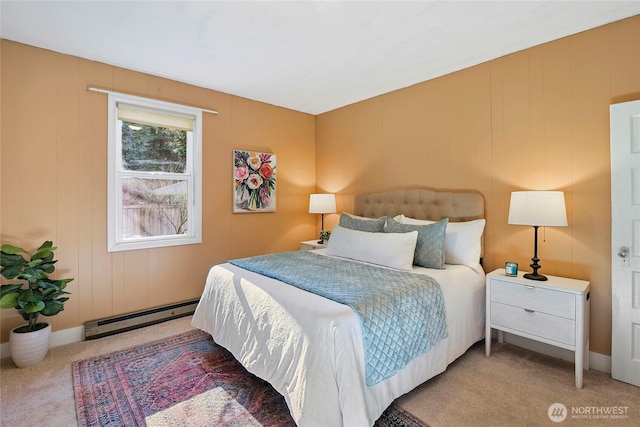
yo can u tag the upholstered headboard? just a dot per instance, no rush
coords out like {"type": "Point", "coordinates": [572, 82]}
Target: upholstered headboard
{"type": "Point", "coordinates": [421, 203]}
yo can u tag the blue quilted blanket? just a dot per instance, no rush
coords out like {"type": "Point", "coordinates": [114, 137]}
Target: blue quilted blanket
{"type": "Point", "coordinates": [402, 314]}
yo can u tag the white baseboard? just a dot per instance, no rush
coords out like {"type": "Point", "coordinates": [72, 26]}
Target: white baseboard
{"type": "Point", "coordinates": [65, 336]}
{"type": "Point", "coordinates": [600, 362]}
{"type": "Point", "coordinates": [597, 361]}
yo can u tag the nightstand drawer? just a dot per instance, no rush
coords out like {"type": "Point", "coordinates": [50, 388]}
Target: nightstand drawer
{"type": "Point", "coordinates": [534, 322]}
{"type": "Point", "coordinates": [556, 303]}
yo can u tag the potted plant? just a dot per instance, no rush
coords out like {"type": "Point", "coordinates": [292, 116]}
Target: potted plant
{"type": "Point", "coordinates": [36, 294]}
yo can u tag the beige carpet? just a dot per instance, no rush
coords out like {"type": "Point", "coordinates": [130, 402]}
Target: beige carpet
{"type": "Point", "coordinates": [516, 387]}
{"type": "Point", "coordinates": [513, 387]}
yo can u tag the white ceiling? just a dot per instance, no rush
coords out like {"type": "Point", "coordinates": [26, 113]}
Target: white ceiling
{"type": "Point", "coordinates": [310, 56]}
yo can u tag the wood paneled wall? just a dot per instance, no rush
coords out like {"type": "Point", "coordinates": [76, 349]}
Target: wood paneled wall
{"type": "Point", "coordinates": [54, 182]}
{"type": "Point", "coordinates": [537, 119]}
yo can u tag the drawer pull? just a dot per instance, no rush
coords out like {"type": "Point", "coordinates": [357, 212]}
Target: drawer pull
{"type": "Point", "coordinates": [529, 287]}
{"type": "Point", "coordinates": [528, 310]}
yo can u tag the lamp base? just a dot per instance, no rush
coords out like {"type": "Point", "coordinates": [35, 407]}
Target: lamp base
{"type": "Point", "coordinates": [535, 266]}
{"type": "Point", "coordinates": [535, 276]}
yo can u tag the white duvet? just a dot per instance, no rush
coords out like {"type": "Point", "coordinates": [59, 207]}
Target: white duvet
{"type": "Point", "coordinates": [310, 348]}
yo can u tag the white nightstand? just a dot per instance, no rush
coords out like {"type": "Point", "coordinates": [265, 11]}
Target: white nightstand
{"type": "Point", "coordinates": [554, 312]}
{"type": "Point", "coordinates": [312, 244]}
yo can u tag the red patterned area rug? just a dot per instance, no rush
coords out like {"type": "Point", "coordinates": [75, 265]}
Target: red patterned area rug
{"type": "Point", "coordinates": [185, 380]}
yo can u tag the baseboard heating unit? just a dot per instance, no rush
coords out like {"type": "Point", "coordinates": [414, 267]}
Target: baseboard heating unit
{"type": "Point", "coordinates": [126, 322]}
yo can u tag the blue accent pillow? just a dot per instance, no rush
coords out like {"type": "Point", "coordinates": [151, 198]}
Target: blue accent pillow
{"type": "Point", "coordinates": [362, 224]}
{"type": "Point", "coordinates": [430, 245]}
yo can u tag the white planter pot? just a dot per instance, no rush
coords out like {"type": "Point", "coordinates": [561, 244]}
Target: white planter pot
{"type": "Point", "coordinates": [29, 348]}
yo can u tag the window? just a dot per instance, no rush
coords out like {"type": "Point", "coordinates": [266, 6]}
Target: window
{"type": "Point", "coordinates": [154, 174]}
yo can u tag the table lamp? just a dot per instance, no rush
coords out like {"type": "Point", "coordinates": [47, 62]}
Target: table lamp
{"type": "Point", "coordinates": [322, 204]}
{"type": "Point", "coordinates": [538, 209]}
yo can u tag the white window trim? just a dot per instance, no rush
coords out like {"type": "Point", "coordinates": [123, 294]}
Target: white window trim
{"type": "Point", "coordinates": [115, 242]}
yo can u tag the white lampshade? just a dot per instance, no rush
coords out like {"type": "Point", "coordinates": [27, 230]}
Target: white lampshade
{"type": "Point", "coordinates": [538, 208]}
{"type": "Point", "coordinates": [322, 203]}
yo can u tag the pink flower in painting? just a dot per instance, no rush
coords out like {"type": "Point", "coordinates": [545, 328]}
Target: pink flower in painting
{"type": "Point", "coordinates": [266, 171]}
{"type": "Point", "coordinates": [254, 181]}
{"type": "Point", "coordinates": [241, 173]}
{"type": "Point", "coordinates": [254, 162]}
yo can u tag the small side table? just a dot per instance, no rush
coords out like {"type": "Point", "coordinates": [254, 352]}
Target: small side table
{"type": "Point", "coordinates": [312, 244]}
{"type": "Point", "coordinates": [555, 312]}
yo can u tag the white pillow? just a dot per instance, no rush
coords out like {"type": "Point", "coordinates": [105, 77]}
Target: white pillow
{"type": "Point", "coordinates": [393, 250]}
{"type": "Point", "coordinates": [462, 244]}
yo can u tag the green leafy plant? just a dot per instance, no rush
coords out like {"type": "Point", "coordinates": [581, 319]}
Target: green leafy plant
{"type": "Point", "coordinates": [40, 294]}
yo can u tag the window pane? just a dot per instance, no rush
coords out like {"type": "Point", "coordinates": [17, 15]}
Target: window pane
{"type": "Point", "coordinates": [153, 207]}
{"type": "Point", "coordinates": [153, 148]}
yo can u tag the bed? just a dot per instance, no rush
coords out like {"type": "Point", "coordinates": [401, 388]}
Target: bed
{"type": "Point", "coordinates": [310, 348]}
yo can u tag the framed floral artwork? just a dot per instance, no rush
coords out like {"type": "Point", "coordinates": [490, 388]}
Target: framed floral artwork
{"type": "Point", "coordinates": [254, 182]}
